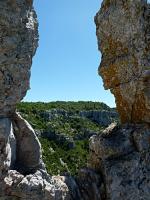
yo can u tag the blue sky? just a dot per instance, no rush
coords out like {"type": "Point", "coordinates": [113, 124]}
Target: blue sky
{"type": "Point", "coordinates": [66, 62]}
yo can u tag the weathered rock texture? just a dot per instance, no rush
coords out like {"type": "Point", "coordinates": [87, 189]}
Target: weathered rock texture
{"type": "Point", "coordinates": [22, 172]}
{"type": "Point", "coordinates": [124, 39]}
{"type": "Point", "coordinates": [18, 39]}
{"type": "Point", "coordinates": [121, 154]}
{"type": "Point", "coordinates": [103, 117]}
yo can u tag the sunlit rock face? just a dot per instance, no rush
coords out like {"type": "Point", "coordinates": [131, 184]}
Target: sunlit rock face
{"type": "Point", "coordinates": [124, 40]}
{"type": "Point", "coordinates": [121, 152]}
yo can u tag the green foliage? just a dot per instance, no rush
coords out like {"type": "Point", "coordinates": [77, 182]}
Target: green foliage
{"type": "Point", "coordinates": [57, 157]}
{"type": "Point", "coordinates": [72, 126]}
{"type": "Point", "coordinates": [58, 160]}
{"type": "Point", "coordinates": [34, 107]}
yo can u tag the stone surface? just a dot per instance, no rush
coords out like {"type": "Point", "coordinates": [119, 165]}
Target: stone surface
{"type": "Point", "coordinates": [28, 149]}
{"type": "Point", "coordinates": [18, 38]}
{"type": "Point", "coordinates": [123, 34]}
{"type": "Point", "coordinates": [22, 171]}
{"type": "Point", "coordinates": [122, 155]}
{"type": "Point", "coordinates": [35, 186]}
{"type": "Point", "coordinates": [104, 118]}
{"type": "Point", "coordinates": [90, 184]}
{"type": "Point", "coordinates": [119, 163]}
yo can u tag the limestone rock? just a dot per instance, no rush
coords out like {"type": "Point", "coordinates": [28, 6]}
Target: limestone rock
{"type": "Point", "coordinates": [122, 155]}
{"type": "Point", "coordinates": [22, 172]}
{"type": "Point", "coordinates": [28, 154]}
{"type": "Point", "coordinates": [123, 38]}
{"type": "Point", "coordinates": [18, 38]}
{"type": "Point", "coordinates": [104, 118]}
{"type": "Point", "coordinates": [7, 146]}
{"type": "Point", "coordinates": [34, 187]}
{"type": "Point", "coordinates": [90, 184]}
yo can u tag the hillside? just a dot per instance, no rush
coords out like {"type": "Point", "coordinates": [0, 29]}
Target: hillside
{"type": "Point", "coordinates": [64, 129]}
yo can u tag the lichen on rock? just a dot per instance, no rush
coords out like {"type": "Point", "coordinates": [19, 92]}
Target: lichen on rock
{"type": "Point", "coordinates": [121, 152]}
{"type": "Point", "coordinates": [123, 38]}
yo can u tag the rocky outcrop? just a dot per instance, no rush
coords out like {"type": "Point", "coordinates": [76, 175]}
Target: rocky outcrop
{"type": "Point", "coordinates": [60, 139]}
{"type": "Point", "coordinates": [18, 38]}
{"type": "Point", "coordinates": [102, 117]}
{"type": "Point", "coordinates": [123, 38]}
{"type": "Point", "coordinates": [121, 154]}
{"type": "Point", "coordinates": [22, 171]}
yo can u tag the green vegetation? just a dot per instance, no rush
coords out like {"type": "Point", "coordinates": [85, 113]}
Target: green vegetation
{"type": "Point", "coordinates": [62, 119]}
{"type": "Point", "coordinates": [70, 106]}
{"type": "Point", "coordinates": [59, 160]}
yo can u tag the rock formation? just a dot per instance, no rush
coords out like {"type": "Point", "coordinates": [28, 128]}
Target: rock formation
{"type": "Point", "coordinates": [22, 172]}
{"type": "Point", "coordinates": [119, 163]}
{"type": "Point", "coordinates": [103, 117]}
{"type": "Point", "coordinates": [121, 154]}
{"type": "Point", "coordinates": [123, 38]}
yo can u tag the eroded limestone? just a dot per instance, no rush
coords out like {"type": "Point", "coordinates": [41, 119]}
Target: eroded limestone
{"type": "Point", "coordinates": [123, 38]}
{"type": "Point", "coordinates": [22, 172]}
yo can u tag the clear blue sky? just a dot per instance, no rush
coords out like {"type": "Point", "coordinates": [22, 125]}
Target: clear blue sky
{"type": "Point", "coordinates": [66, 62]}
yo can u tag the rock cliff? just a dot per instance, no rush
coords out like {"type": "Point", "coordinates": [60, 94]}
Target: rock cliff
{"type": "Point", "coordinates": [22, 172]}
{"type": "Point", "coordinates": [121, 154]}
{"type": "Point", "coordinates": [123, 38]}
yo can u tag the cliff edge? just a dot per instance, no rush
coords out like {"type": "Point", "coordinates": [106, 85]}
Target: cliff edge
{"type": "Point", "coordinates": [121, 154]}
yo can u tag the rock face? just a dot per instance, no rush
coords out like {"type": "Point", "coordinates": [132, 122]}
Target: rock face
{"type": "Point", "coordinates": [22, 171]}
{"type": "Point", "coordinates": [121, 154]}
{"type": "Point", "coordinates": [104, 118]}
{"type": "Point", "coordinates": [124, 40]}
{"type": "Point", "coordinates": [18, 38]}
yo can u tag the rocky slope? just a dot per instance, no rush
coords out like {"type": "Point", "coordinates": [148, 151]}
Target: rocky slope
{"type": "Point", "coordinates": [103, 117]}
{"type": "Point", "coordinates": [64, 129]}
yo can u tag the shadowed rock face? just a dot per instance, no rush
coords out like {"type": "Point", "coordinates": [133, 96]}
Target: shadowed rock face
{"type": "Point", "coordinates": [124, 40]}
{"type": "Point", "coordinates": [122, 155]}
{"type": "Point", "coordinates": [22, 172]}
{"type": "Point", "coordinates": [19, 40]}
